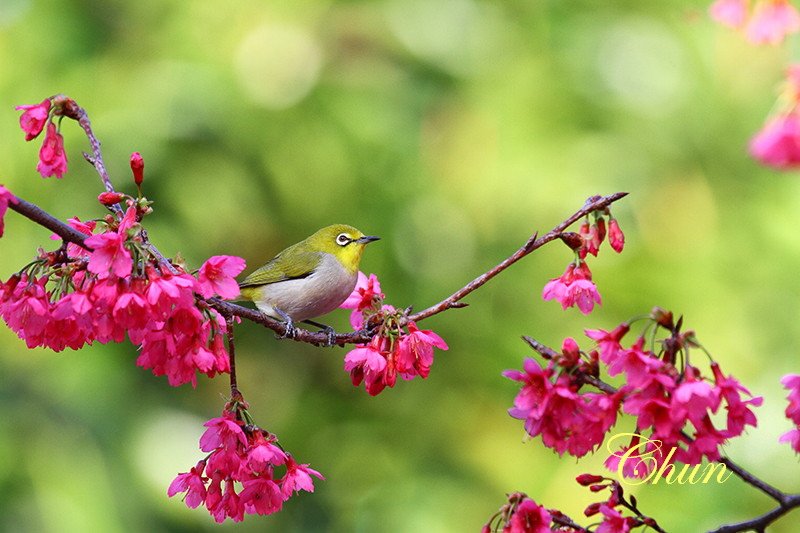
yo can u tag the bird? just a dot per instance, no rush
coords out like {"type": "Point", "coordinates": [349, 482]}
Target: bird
{"type": "Point", "coordinates": [310, 278]}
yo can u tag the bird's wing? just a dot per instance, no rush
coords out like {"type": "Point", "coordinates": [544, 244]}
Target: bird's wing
{"type": "Point", "coordinates": [279, 269]}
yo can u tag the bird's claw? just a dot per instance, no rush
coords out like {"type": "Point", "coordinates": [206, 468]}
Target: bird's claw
{"type": "Point", "coordinates": [291, 331]}
{"type": "Point", "coordinates": [331, 333]}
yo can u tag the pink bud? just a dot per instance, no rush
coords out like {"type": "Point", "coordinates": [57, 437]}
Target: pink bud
{"type": "Point", "coordinates": [615, 236]}
{"type": "Point", "coordinates": [588, 479]}
{"type": "Point", "coordinates": [137, 166]}
{"type": "Point", "coordinates": [110, 198]}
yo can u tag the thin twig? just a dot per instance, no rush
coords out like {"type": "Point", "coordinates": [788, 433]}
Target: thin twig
{"type": "Point", "coordinates": [593, 204]}
{"type": "Point", "coordinates": [71, 109]}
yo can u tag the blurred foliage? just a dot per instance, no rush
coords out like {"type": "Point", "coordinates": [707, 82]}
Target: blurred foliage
{"type": "Point", "coordinates": [454, 129]}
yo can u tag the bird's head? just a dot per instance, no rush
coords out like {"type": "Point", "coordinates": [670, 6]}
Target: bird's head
{"type": "Point", "coordinates": [344, 242]}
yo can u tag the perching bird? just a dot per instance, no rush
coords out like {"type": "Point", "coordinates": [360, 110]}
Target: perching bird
{"type": "Point", "coordinates": [310, 278]}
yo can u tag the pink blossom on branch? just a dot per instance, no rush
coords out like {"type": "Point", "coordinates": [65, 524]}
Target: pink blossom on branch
{"type": "Point", "coordinates": [33, 118]}
{"type": "Point", "coordinates": [52, 159]}
{"type": "Point", "coordinates": [246, 456]}
{"type": "Point", "coordinates": [109, 255]}
{"type": "Point", "coordinates": [217, 276]}
{"type": "Point", "coordinates": [5, 198]}
{"type": "Point", "coordinates": [573, 288]}
{"type": "Point", "coordinates": [364, 295]}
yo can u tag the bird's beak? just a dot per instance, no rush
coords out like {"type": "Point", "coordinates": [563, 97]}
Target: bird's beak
{"type": "Point", "coordinates": [366, 239]}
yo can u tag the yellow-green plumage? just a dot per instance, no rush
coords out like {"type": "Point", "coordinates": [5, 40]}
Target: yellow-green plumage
{"type": "Point", "coordinates": [310, 278]}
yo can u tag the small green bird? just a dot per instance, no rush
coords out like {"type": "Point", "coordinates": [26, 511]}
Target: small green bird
{"type": "Point", "coordinates": [310, 278]}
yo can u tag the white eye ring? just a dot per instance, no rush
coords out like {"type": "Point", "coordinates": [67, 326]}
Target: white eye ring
{"type": "Point", "coordinates": [343, 239]}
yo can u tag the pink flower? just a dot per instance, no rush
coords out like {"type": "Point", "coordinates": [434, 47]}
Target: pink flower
{"type": "Point", "coordinates": [33, 118]}
{"type": "Point", "coordinates": [614, 522]}
{"type": "Point", "coordinates": [693, 399]}
{"type": "Point", "coordinates": [5, 198]}
{"type": "Point", "coordinates": [739, 413]}
{"type": "Point", "coordinates": [217, 274]}
{"type": "Point", "coordinates": [573, 288]}
{"type": "Point", "coordinates": [732, 13]}
{"type": "Point", "coordinates": [369, 364]}
{"type": "Point", "coordinates": [297, 478]}
{"type": "Point", "coordinates": [414, 354]}
{"type": "Point", "coordinates": [615, 236]}
{"type": "Point", "coordinates": [529, 517]}
{"type": "Point", "coordinates": [771, 21]}
{"type": "Point", "coordinates": [608, 341]}
{"type": "Point", "coordinates": [52, 159]}
{"type": "Point", "coordinates": [792, 383]}
{"type": "Point", "coordinates": [223, 432]}
{"type": "Point", "coordinates": [793, 438]}
{"type": "Point", "coordinates": [778, 144]}
{"type": "Point", "coordinates": [366, 291]}
{"type": "Point", "coordinates": [191, 482]}
{"type": "Point", "coordinates": [261, 496]}
{"type": "Point", "coordinates": [109, 254]}
{"type": "Point", "coordinates": [264, 454]}
{"type": "Point", "coordinates": [229, 505]}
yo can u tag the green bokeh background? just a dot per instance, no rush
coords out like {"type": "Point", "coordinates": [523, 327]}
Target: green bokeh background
{"type": "Point", "coordinates": [454, 129]}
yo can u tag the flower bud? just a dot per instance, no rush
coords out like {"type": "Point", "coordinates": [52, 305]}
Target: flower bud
{"type": "Point", "coordinates": [110, 198]}
{"type": "Point", "coordinates": [592, 509]}
{"type": "Point", "coordinates": [615, 236]}
{"type": "Point", "coordinates": [588, 479]}
{"type": "Point", "coordinates": [137, 166]}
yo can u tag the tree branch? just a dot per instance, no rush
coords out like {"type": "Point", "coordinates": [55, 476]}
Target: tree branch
{"type": "Point", "coordinates": [594, 203]}
{"type": "Point", "coordinates": [43, 218]}
{"type": "Point", "coordinates": [760, 523]}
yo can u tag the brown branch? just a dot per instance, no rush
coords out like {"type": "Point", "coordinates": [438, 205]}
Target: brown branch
{"type": "Point", "coordinates": [760, 523]}
{"type": "Point", "coordinates": [748, 478]}
{"type": "Point", "coordinates": [594, 203]}
{"type": "Point", "coordinates": [548, 353]}
{"type": "Point", "coordinates": [43, 218]}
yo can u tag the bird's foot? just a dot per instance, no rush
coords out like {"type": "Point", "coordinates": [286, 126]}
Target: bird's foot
{"type": "Point", "coordinates": [327, 330]}
{"type": "Point", "coordinates": [331, 333]}
{"type": "Point", "coordinates": [291, 331]}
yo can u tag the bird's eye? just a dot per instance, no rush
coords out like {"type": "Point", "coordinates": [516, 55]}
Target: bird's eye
{"type": "Point", "coordinates": [343, 239]}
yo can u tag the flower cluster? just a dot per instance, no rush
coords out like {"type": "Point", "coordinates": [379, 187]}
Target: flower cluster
{"type": "Point", "coordinates": [792, 382]}
{"type": "Point", "coordinates": [768, 22]}
{"type": "Point", "coordinates": [575, 287]}
{"type": "Point", "coordinates": [672, 401]}
{"type": "Point", "coordinates": [394, 349]}
{"type": "Point", "coordinates": [240, 473]}
{"type": "Point", "coordinates": [552, 405]}
{"type": "Point", "coordinates": [34, 119]}
{"type": "Point", "coordinates": [521, 514]}
{"type": "Point", "coordinates": [5, 198]}
{"type": "Point", "coordinates": [112, 287]}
